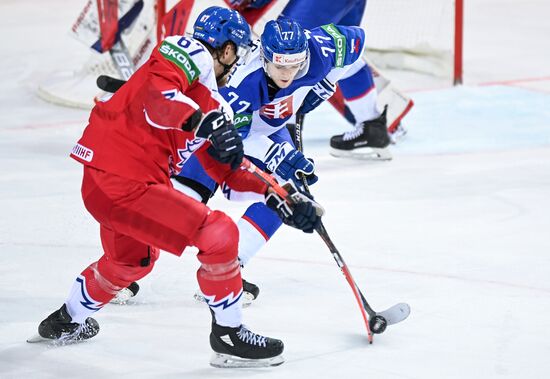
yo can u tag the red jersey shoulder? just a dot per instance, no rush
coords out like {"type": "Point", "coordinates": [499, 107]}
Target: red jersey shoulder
{"type": "Point", "coordinates": [188, 55]}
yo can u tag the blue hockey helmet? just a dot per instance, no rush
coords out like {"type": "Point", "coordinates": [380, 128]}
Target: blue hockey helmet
{"type": "Point", "coordinates": [284, 43]}
{"type": "Point", "coordinates": [217, 25]}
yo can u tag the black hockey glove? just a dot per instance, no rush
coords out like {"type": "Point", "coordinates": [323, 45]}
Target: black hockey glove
{"type": "Point", "coordinates": [319, 93]}
{"type": "Point", "coordinates": [227, 144]}
{"type": "Point", "coordinates": [304, 213]}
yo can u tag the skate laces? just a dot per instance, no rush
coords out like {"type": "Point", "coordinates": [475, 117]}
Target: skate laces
{"type": "Point", "coordinates": [251, 338]}
{"type": "Point", "coordinates": [352, 134]}
{"type": "Point", "coordinates": [72, 335]}
{"type": "Point", "coordinates": [82, 331]}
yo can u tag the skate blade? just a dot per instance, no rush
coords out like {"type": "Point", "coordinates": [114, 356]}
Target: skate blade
{"type": "Point", "coordinates": [231, 361]}
{"type": "Point", "coordinates": [37, 338]}
{"type": "Point", "coordinates": [365, 153]}
{"type": "Point", "coordinates": [247, 298]}
{"type": "Point", "coordinates": [51, 342]}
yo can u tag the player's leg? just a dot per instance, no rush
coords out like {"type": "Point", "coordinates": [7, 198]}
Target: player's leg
{"type": "Point", "coordinates": [195, 182]}
{"type": "Point", "coordinates": [350, 13]}
{"type": "Point", "coordinates": [133, 217]}
{"type": "Point", "coordinates": [257, 225]}
{"type": "Point", "coordinates": [330, 11]}
{"type": "Point", "coordinates": [220, 282]}
{"type": "Point", "coordinates": [354, 14]}
{"type": "Point", "coordinates": [124, 260]}
{"type": "Point", "coordinates": [398, 103]}
{"type": "Point", "coordinates": [165, 217]}
{"type": "Point", "coordinates": [370, 137]}
{"type": "Point", "coordinates": [192, 181]}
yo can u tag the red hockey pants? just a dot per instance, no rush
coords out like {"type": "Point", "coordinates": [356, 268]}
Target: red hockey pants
{"type": "Point", "coordinates": [138, 219]}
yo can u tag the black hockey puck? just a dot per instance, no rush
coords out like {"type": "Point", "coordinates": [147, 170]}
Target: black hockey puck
{"type": "Point", "coordinates": [378, 324]}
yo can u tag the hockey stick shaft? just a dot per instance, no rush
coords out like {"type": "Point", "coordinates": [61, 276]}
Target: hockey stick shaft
{"type": "Point", "coordinates": [364, 306]}
{"type": "Point", "coordinates": [267, 179]}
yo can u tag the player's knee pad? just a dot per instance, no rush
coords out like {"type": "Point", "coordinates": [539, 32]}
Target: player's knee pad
{"type": "Point", "coordinates": [217, 239]}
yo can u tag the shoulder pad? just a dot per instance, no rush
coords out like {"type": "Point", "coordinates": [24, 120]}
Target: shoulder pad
{"type": "Point", "coordinates": [187, 54]}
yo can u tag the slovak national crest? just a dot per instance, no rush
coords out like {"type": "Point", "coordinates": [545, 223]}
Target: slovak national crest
{"type": "Point", "coordinates": [281, 109]}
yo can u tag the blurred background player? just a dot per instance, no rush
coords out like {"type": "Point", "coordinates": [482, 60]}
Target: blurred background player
{"type": "Point", "coordinates": [132, 145]}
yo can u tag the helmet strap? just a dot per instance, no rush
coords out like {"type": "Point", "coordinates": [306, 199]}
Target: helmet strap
{"type": "Point", "coordinates": [226, 67]}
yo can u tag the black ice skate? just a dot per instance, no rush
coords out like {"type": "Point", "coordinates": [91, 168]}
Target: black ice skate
{"type": "Point", "coordinates": [239, 347]}
{"type": "Point", "coordinates": [250, 293]}
{"type": "Point", "coordinates": [59, 327]}
{"type": "Point", "coordinates": [369, 140]}
{"type": "Point", "coordinates": [125, 294]}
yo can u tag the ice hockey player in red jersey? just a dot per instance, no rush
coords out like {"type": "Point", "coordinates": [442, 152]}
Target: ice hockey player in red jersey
{"type": "Point", "coordinates": [168, 110]}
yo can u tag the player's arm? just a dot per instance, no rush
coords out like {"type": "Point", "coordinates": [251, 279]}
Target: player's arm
{"type": "Point", "coordinates": [171, 73]}
{"type": "Point", "coordinates": [181, 83]}
{"type": "Point", "coordinates": [281, 158]}
{"type": "Point", "coordinates": [317, 95]}
{"type": "Point", "coordinates": [165, 106]}
{"type": "Point", "coordinates": [339, 49]}
{"type": "Point", "coordinates": [338, 46]}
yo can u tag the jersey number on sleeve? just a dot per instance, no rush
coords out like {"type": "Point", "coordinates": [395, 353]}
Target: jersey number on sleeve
{"type": "Point", "coordinates": [244, 104]}
{"type": "Point", "coordinates": [186, 42]}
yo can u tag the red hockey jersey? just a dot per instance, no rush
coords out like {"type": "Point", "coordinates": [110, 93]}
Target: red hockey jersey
{"type": "Point", "coordinates": [136, 134]}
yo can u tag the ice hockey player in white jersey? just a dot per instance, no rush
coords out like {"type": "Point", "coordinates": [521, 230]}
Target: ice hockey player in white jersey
{"type": "Point", "coordinates": [290, 70]}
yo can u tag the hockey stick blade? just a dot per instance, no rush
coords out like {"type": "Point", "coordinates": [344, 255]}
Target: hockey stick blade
{"type": "Point", "coordinates": [375, 322]}
{"type": "Point", "coordinates": [396, 313]}
{"type": "Point", "coordinates": [109, 84]}
{"type": "Point", "coordinates": [37, 338]}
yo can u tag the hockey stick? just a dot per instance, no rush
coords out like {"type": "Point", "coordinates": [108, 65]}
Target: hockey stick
{"type": "Point", "coordinates": [290, 198]}
{"type": "Point", "coordinates": [173, 22]}
{"type": "Point", "coordinates": [108, 83]}
{"type": "Point", "coordinates": [375, 322]}
{"type": "Point", "coordinates": [110, 35]}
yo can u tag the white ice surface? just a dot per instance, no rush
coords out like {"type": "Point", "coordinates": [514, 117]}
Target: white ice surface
{"type": "Point", "coordinates": [456, 225]}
